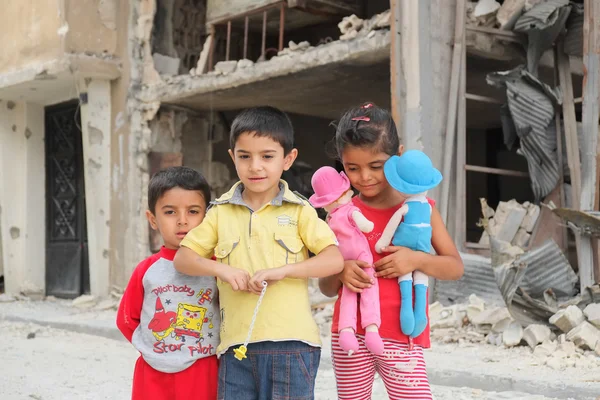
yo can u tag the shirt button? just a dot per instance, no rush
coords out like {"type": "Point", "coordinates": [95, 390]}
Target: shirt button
{"type": "Point", "coordinates": [222, 252]}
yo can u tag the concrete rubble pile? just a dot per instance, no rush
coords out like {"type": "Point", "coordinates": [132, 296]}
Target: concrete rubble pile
{"type": "Point", "coordinates": [492, 14]}
{"type": "Point", "coordinates": [511, 222]}
{"type": "Point", "coordinates": [350, 28]}
{"type": "Point", "coordinates": [570, 340]}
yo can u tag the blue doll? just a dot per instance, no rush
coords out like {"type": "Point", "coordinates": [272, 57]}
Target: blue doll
{"type": "Point", "coordinates": [412, 174]}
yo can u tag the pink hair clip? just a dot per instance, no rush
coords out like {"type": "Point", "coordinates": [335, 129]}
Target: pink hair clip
{"type": "Point", "coordinates": [363, 118]}
{"type": "Point", "coordinates": [368, 105]}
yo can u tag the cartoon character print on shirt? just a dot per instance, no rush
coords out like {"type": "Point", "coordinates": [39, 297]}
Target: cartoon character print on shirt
{"type": "Point", "coordinates": [173, 330]}
{"type": "Point", "coordinates": [162, 324]}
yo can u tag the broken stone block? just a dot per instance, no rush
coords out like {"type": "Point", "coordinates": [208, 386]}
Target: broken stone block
{"type": "Point", "coordinates": [473, 310]}
{"type": "Point", "coordinates": [533, 213]}
{"type": "Point", "coordinates": [513, 334]}
{"type": "Point", "coordinates": [508, 218]}
{"type": "Point", "coordinates": [545, 349]}
{"type": "Point", "coordinates": [592, 312]}
{"type": "Point", "coordinates": [84, 301]}
{"type": "Point", "coordinates": [521, 239]}
{"type": "Point", "coordinates": [494, 339]}
{"type": "Point", "coordinates": [108, 304]}
{"type": "Point", "coordinates": [568, 348]}
{"type": "Point", "coordinates": [244, 63]}
{"type": "Point", "coordinates": [567, 318]}
{"type": "Point", "coordinates": [485, 320]}
{"type": "Point", "coordinates": [491, 316]}
{"type": "Point", "coordinates": [226, 67]}
{"type": "Point", "coordinates": [7, 298]}
{"type": "Point", "coordinates": [383, 19]}
{"type": "Point", "coordinates": [536, 334]}
{"type": "Point", "coordinates": [509, 13]}
{"type": "Point", "coordinates": [585, 335]}
{"type": "Point", "coordinates": [351, 23]}
{"type": "Point", "coordinates": [485, 7]}
{"type": "Point", "coordinates": [298, 47]}
{"type": "Point", "coordinates": [502, 325]}
{"type": "Point", "coordinates": [450, 317]}
{"type": "Point", "coordinates": [166, 65]}
{"type": "Point", "coordinates": [350, 35]}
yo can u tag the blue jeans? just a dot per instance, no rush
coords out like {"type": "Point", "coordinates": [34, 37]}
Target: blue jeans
{"type": "Point", "coordinates": [273, 371]}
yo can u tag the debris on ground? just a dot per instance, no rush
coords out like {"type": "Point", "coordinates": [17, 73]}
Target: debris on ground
{"type": "Point", "coordinates": [478, 322]}
{"type": "Point", "coordinates": [511, 222]}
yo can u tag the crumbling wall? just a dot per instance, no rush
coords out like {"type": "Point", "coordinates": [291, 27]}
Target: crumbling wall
{"type": "Point", "coordinates": [178, 35]}
{"type": "Point", "coordinates": [92, 26]}
{"type": "Point", "coordinates": [129, 233]}
{"type": "Point", "coordinates": [32, 33]}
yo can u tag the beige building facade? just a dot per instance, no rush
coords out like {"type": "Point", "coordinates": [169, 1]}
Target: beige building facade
{"type": "Point", "coordinates": [97, 95]}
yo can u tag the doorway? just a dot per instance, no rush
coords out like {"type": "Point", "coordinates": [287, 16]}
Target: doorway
{"type": "Point", "coordinates": [67, 263]}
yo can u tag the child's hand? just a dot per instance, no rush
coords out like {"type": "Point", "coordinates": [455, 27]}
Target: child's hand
{"type": "Point", "coordinates": [270, 275]}
{"type": "Point", "coordinates": [400, 261]}
{"type": "Point", "coordinates": [237, 278]}
{"type": "Point", "coordinates": [354, 277]}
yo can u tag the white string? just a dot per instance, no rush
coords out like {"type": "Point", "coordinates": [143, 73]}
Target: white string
{"type": "Point", "coordinates": [262, 293]}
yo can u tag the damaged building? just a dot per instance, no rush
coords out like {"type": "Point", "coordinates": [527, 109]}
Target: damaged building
{"type": "Point", "coordinates": [101, 95]}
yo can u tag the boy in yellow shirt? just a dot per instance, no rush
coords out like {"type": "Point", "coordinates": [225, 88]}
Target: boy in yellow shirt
{"type": "Point", "coordinates": [261, 231]}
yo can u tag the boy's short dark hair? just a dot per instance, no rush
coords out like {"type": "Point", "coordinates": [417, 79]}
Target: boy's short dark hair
{"type": "Point", "coordinates": [264, 121]}
{"type": "Point", "coordinates": [176, 177]}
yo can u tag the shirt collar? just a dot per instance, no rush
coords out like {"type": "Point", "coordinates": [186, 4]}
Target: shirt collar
{"type": "Point", "coordinates": [234, 196]}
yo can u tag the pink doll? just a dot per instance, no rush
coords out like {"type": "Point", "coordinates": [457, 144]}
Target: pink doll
{"type": "Point", "coordinates": [411, 174]}
{"type": "Point", "coordinates": [333, 193]}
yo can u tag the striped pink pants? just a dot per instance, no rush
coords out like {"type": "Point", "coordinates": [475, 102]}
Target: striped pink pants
{"type": "Point", "coordinates": [403, 372]}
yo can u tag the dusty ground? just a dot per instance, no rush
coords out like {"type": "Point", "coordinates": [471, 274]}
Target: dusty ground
{"type": "Point", "coordinates": [45, 364]}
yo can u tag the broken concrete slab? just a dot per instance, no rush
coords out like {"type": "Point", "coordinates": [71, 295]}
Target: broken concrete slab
{"type": "Point", "coordinates": [568, 348]}
{"type": "Point", "coordinates": [449, 317]}
{"type": "Point", "coordinates": [545, 349]}
{"type": "Point", "coordinates": [509, 12]}
{"type": "Point", "coordinates": [592, 313]}
{"type": "Point", "coordinates": [226, 67]}
{"type": "Point", "coordinates": [586, 336]}
{"type": "Point", "coordinates": [502, 325]}
{"type": "Point", "coordinates": [533, 213]}
{"type": "Point", "coordinates": [485, 8]}
{"type": "Point", "coordinates": [245, 63]}
{"type": "Point", "coordinates": [512, 334]}
{"type": "Point", "coordinates": [536, 334]}
{"type": "Point", "coordinates": [7, 298]}
{"type": "Point", "coordinates": [521, 239]}
{"type": "Point", "coordinates": [84, 301]}
{"type": "Point", "coordinates": [509, 216]}
{"type": "Point", "coordinates": [568, 318]}
{"type": "Point", "coordinates": [350, 24]}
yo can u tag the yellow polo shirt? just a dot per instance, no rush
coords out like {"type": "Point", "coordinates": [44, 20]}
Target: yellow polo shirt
{"type": "Point", "coordinates": [281, 232]}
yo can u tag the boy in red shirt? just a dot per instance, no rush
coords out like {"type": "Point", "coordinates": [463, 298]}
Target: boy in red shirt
{"type": "Point", "coordinates": [172, 319]}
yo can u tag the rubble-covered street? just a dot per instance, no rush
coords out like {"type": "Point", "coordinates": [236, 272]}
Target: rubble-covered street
{"type": "Point", "coordinates": [88, 359]}
{"type": "Point", "coordinates": [50, 364]}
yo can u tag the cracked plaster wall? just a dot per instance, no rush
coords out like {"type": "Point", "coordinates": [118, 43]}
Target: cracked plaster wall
{"type": "Point", "coordinates": [22, 197]}
{"type": "Point", "coordinates": [36, 32]}
{"type": "Point", "coordinates": [96, 139]}
{"type": "Point", "coordinates": [92, 26]}
{"type": "Point", "coordinates": [30, 33]}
